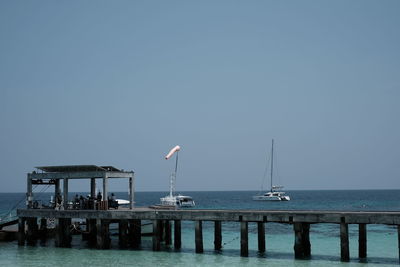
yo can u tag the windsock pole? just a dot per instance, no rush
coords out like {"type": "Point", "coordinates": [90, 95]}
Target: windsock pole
{"type": "Point", "coordinates": [176, 163]}
{"type": "Point", "coordinates": [173, 176]}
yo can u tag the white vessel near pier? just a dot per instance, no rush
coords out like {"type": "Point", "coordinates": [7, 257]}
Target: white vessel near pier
{"type": "Point", "coordinates": [274, 194]}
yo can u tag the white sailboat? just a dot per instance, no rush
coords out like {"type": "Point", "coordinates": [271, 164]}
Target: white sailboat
{"type": "Point", "coordinates": [274, 194]}
{"type": "Point", "coordinates": [172, 199]}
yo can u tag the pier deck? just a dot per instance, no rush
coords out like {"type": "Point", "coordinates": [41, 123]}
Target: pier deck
{"type": "Point", "coordinates": [279, 216]}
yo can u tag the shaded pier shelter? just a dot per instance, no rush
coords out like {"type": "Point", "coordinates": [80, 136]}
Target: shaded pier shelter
{"type": "Point", "coordinates": [53, 175]}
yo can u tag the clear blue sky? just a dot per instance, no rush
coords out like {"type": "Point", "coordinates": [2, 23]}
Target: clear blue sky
{"type": "Point", "coordinates": [121, 82]}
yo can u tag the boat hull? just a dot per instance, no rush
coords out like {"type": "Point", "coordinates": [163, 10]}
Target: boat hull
{"type": "Point", "coordinates": [178, 201]}
{"type": "Point", "coordinates": [271, 198]}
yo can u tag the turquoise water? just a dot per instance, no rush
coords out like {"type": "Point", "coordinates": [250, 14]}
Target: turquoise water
{"type": "Point", "coordinates": [325, 243]}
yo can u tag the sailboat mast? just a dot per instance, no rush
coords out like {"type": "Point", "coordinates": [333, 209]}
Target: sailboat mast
{"type": "Point", "coordinates": [272, 161]}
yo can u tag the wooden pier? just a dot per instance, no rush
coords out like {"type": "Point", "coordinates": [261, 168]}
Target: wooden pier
{"type": "Point", "coordinates": [96, 212]}
{"type": "Point", "coordinates": [129, 222]}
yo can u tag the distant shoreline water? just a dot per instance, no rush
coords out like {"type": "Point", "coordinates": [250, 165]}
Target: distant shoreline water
{"type": "Point", "coordinates": [288, 190]}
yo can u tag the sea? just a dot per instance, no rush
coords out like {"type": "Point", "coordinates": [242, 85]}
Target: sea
{"type": "Point", "coordinates": [382, 244]}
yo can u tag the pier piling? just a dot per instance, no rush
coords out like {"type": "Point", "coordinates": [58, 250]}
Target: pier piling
{"type": "Point", "coordinates": [63, 234]}
{"type": "Point", "coordinates": [21, 231]}
{"type": "Point", "coordinates": [92, 232]}
{"type": "Point", "coordinates": [177, 234]}
{"type": "Point", "coordinates": [398, 237]}
{"type": "Point", "coordinates": [362, 240]}
{"type": "Point", "coordinates": [244, 239]}
{"type": "Point", "coordinates": [43, 230]}
{"type": "Point", "coordinates": [135, 233]}
{"type": "Point", "coordinates": [217, 235]}
{"type": "Point", "coordinates": [199, 236]}
{"type": "Point", "coordinates": [302, 246]}
{"type": "Point", "coordinates": [167, 233]}
{"type": "Point", "coordinates": [261, 236]}
{"type": "Point", "coordinates": [156, 235]}
{"type": "Point", "coordinates": [32, 233]}
{"type": "Point", "coordinates": [103, 234]}
{"type": "Point", "coordinates": [123, 233]}
{"type": "Point", "coordinates": [344, 241]}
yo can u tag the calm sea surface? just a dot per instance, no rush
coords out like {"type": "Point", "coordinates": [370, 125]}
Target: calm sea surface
{"type": "Point", "coordinates": [325, 243]}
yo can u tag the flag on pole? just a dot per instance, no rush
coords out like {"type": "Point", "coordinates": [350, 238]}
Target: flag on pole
{"type": "Point", "coordinates": [175, 149]}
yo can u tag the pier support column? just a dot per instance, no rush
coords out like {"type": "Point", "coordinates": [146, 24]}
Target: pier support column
{"type": "Point", "coordinates": [105, 187]}
{"type": "Point", "coordinates": [302, 246]}
{"type": "Point", "coordinates": [199, 236]}
{"type": "Point", "coordinates": [57, 188]}
{"type": "Point", "coordinates": [156, 235]}
{"type": "Point", "coordinates": [261, 236]}
{"type": "Point", "coordinates": [161, 230]}
{"type": "Point", "coordinates": [362, 241]}
{"type": "Point", "coordinates": [123, 233]}
{"type": "Point", "coordinates": [398, 237]}
{"type": "Point", "coordinates": [92, 232]}
{"type": "Point", "coordinates": [21, 231]}
{"type": "Point", "coordinates": [29, 192]}
{"type": "Point", "coordinates": [65, 192]}
{"type": "Point", "coordinates": [93, 187]}
{"type": "Point", "coordinates": [43, 230]}
{"type": "Point", "coordinates": [135, 233]}
{"type": "Point", "coordinates": [217, 235]}
{"type": "Point", "coordinates": [167, 232]}
{"type": "Point", "coordinates": [63, 234]}
{"type": "Point", "coordinates": [177, 234]}
{"type": "Point", "coordinates": [32, 233]}
{"type": "Point", "coordinates": [103, 234]}
{"type": "Point", "coordinates": [132, 192]}
{"type": "Point", "coordinates": [244, 239]}
{"type": "Point", "coordinates": [344, 241]}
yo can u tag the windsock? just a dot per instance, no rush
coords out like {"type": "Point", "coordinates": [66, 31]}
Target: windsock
{"type": "Point", "coordinates": [175, 149]}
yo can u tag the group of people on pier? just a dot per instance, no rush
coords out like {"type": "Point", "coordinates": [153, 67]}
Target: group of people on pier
{"type": "Point", "coordinates": [89, 202]}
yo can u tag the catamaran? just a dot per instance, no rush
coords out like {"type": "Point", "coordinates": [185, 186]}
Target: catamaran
{"type": "Point", "coordinates": [274, 194]}
{"type": "Point", "coordinates": [172, 199]}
